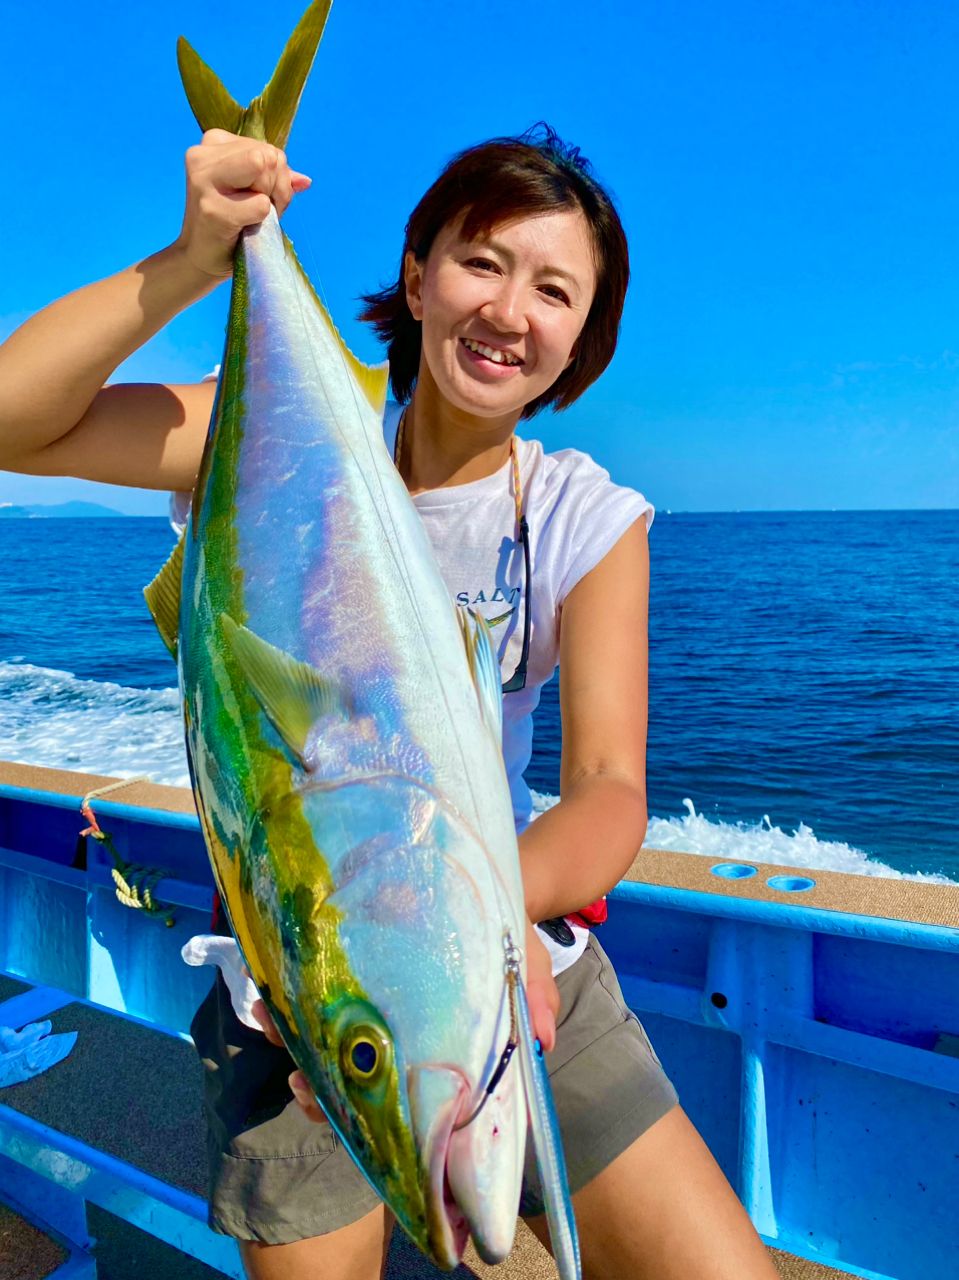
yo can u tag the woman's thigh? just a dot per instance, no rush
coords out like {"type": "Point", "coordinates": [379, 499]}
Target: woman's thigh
{"type": "Point", "coordinates": [663, 1210]}
{"type": "Point", "coordinates": [355, 1252]}
{"type": "Point", "coordinates": [609, 1086]}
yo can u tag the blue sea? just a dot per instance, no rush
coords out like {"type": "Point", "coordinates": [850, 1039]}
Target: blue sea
{"type": "Point", "coordinates": [804, 679]}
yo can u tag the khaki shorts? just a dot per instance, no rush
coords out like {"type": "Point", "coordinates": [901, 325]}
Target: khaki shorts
{"type": "Point", "coordinates": [277, 1177]}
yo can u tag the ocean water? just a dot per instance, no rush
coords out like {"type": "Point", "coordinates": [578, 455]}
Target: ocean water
{"type": "Point", "coordinates": [804, 679]}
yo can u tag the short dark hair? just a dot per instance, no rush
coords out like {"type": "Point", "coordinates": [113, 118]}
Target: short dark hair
{"type": "Point", "coordinates": [493, 183]}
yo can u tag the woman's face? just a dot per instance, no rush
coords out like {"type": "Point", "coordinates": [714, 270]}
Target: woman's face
{"type": "Point", "coordinates": [501, 315]}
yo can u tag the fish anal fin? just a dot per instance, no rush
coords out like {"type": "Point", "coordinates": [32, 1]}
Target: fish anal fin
{"type": "Point", "coordinates": [547, 1144]}
{"type": "Point", "coordinates": [484, 668]}
{"type": "Point", "coordinates": [293, 694]}
{"type": "Point", "coordinates": [163, 597]}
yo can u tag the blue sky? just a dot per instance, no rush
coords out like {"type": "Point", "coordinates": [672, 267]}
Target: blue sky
{"type": "Point", "coordinates": [788, 174]}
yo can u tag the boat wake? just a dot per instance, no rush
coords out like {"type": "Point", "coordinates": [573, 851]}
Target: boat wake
{"type": "Point", "coordinates": [761, 842]}
{"type": "Point", "coordinates": [57, 719]}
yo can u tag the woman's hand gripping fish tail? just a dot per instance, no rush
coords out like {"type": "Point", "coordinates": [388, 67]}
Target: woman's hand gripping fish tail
{"type": "Point", "coordinates": [231, 183]}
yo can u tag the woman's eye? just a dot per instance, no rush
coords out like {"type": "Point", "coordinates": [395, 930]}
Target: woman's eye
{"type": "Point", "coordinates": [552, 291]}
{"type": "Point", "coordinates": [483, 264]}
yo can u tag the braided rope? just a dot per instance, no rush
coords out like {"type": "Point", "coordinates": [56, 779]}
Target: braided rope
{"type": "Point", "coordinates": [134, 882]}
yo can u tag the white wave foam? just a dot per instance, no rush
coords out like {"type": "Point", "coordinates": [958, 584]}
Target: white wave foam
{"type": "Point", "coordinates": [759, 842]}
{"type": "Point", "coordinates": [54, 718]}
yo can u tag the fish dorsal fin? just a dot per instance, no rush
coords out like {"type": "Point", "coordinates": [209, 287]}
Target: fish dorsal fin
{"type": "Point", "coordinates": [293, 694]}
{"type": "Point", "coordinates": [163, 597]}
{"type": "Point", "coordinates": [270, 115]}
{"type": "Point", "coordinates": [484, 668]}
{"type": "Point", "coordinates": [547, 1144]}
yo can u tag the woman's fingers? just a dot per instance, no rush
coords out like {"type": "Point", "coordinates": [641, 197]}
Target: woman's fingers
{"type": "Point", "coordinates": [542, 992]}
{"type": "Point", "coordinates": [304, 1096]}
{"type": "Point", "coordinates": [259, 1011]}
{"type": "Point", "coordinates": [232, 183]}
{"type": "Point", "coordinates": [298, 1082]}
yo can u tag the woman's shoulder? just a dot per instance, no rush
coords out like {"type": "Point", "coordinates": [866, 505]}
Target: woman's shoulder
{"type": "Point", "coordinates": [577, 512]}
{"type": "Point", "coordinates": [574, 480]}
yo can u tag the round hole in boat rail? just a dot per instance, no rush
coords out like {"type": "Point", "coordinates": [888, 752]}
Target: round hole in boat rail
{"type": "Point", "coordinates": [791, 884]}
{"type": "Point", "coordinates": [719, 1000]}
{"type": "Point", "coordinates": [733, 870]}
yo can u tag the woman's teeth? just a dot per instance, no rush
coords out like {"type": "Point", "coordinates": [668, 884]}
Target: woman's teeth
{"type": "Point", "coordinates": [498, 357]}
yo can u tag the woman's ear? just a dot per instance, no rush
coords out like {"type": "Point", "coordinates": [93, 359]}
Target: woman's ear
{"type": "Point", "coordinates": [413, 282]}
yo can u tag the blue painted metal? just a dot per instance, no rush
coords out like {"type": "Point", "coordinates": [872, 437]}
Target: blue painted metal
{"type": "Point", "coordinates": [54, 1210]}
{"type": "Point", "coordinates": [169, 1213]}
{"type": "Point", "coordinates": [803, 1043]}
{"type": "Point", "coordinates": [814, 1050]}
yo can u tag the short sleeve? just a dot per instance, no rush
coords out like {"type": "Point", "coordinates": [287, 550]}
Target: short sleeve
{"type": "Point", "coordinates": [180, 499]}
{"type": "Point", "coordinates": [602, 512]}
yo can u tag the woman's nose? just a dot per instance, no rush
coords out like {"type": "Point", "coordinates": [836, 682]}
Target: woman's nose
{"type": "Point", "coordinates": [504, 309]}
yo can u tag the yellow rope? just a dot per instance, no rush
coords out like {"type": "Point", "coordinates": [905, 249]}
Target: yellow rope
{"type": "Point", "coordinates": [134, 883]}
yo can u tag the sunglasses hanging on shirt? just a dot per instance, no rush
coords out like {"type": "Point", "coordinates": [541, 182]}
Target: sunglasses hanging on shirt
{"type": "Point", "coordinates": [517, 680]}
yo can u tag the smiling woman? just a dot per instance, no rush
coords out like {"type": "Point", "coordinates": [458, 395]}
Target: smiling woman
{"type": "Point", "coordinates": [552, 221]}
{"type": "Point", "coordinates": [508, 301]}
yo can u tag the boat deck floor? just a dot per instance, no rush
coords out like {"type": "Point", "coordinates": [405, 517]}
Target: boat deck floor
{"type": "Point", "coordinates": [136, 1093]}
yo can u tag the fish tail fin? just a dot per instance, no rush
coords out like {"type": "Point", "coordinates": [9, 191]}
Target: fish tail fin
{"type": "Point", "coordinates": [547, 1144]}
{"type": "Point", "coordinates": [269, 116]}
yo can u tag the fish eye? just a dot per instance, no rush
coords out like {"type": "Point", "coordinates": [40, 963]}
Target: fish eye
{"type": "Point", "coordinates": [364, 1054]}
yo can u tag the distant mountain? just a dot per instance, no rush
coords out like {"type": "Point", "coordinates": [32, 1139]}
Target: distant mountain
{"type": "Point", "coordinates": [41, 510]}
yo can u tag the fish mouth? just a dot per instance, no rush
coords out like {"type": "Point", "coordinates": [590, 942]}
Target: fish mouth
{"type": "Point", "coordinates": [438, 1096]}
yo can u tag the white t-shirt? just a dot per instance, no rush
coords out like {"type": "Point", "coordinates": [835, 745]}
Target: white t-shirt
{"type": "Point", "coordinates": [576, 514]}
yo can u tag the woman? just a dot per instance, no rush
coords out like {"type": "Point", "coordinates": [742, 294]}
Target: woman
{"type": "Point", "coordinates": [509, 299]}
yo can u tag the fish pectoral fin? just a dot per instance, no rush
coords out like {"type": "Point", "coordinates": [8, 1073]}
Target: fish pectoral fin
{"type": "Point", "coordinates": [163, 597]}
{"type": "Point", "coordinates": [547, 1144]}
{"type": "Point", "coordinates": [484, 668]}
{"type": "Point", "coordinates": [293, 694]}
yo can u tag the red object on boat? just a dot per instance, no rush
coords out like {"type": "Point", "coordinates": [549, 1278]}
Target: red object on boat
{"type": "Point", "coordinates": [592, 915]}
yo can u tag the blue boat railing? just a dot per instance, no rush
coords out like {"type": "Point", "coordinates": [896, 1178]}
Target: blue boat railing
{"type": "Point", "coordinates": [814, 1047]}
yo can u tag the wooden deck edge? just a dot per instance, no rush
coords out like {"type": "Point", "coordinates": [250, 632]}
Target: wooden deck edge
{"type": "Point", "coordinates": [884, 897]}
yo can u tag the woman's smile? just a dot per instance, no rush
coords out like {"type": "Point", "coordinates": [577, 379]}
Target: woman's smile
{"type": "Point", "coordinates": [491, 361]}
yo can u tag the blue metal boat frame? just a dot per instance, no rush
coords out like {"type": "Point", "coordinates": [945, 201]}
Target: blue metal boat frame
{"type": "Point", "coordinates": [816, 1050]}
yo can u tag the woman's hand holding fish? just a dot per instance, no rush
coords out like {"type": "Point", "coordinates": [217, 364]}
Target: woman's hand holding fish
{"type": "Point", "coordinates": [298, 1082]}
{"type": "Point", "coordinates": [231, 183]}
{"type": "Point", "coordinates": [542, 992]}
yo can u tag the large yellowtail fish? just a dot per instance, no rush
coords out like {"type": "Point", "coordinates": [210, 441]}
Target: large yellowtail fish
{"type": "Point", "coordinates": [343, 732]}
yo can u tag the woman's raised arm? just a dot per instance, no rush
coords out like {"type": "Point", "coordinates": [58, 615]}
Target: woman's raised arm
{"type": "Point", "coordinates": [56, 415]}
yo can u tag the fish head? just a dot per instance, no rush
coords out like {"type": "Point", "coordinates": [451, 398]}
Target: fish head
{"type": "Point", "coordinates": [405, 1012]}
{"type": "Point", "coordinates": [448, 1167]}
